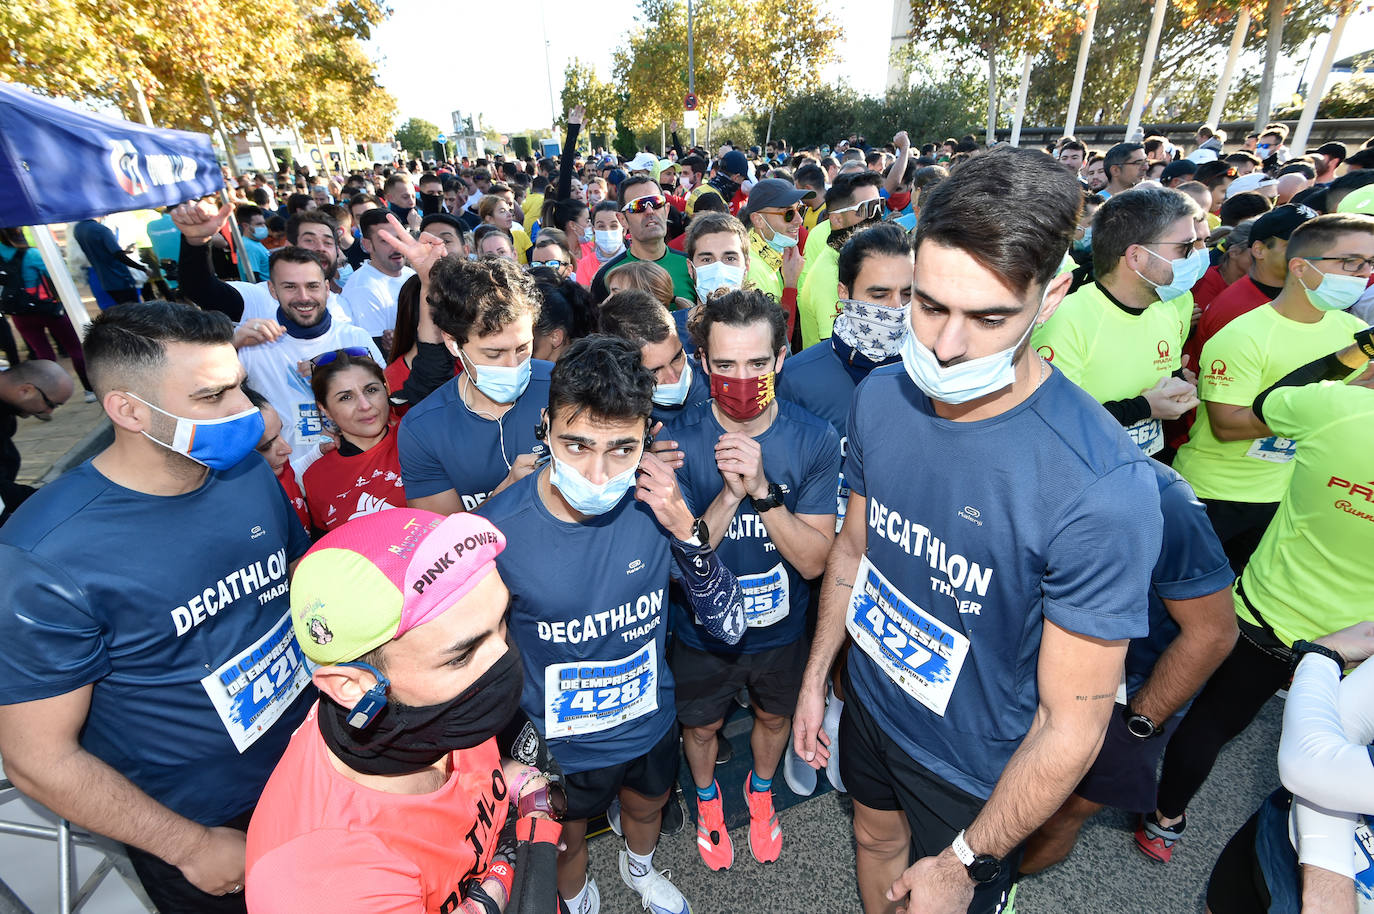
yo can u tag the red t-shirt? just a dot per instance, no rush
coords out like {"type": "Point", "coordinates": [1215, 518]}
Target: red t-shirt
{"type": "Point", "coordinates": [1209, 287]}
{"type": "Point", "coordinates": [341, 488]}
{"type": "Point", "coordinates": [287, 478]}
{"type": "Point", "coordinates": [1240, 297]}
{"type": "Point", "coordinates": [322, 842]}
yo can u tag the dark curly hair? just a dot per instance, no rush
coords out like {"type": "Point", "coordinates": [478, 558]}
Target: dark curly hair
{"type": "Point", "coordinates": [479, 297]}
{"type": "Point", "coordinates": [604, 376]}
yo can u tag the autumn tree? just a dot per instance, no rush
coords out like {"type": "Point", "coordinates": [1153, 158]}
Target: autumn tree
{"type": "Point", "coordinates": [417, 135]}
{"type": "Point", "coordinates": [987, 29]}
{"type": "Point", "coordinates": [790, 40]}
{"type": "Point", "coordinates": [582, 86]}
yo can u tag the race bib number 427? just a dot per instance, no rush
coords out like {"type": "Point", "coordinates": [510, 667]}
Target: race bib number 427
{"type": "Point", "coordinates": [594, 695]}
{"type": "Point", "coordinates": [254, 689]}
{"type": "Point", "coordinates": [916, 650]}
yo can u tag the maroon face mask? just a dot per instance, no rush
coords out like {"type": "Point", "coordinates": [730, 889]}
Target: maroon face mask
{"type": "Point", "coordinates": [743, 398]}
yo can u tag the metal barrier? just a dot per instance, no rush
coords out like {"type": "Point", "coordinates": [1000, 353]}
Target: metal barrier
{"type": "Point", "coordinates": [1352, 131]}
{"type": "Point", "coordinates": [70, 897]}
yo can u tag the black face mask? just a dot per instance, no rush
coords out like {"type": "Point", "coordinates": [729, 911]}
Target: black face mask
{"type": "Point", "coordinates": [405, 739]}
{"type": "Point", "coordinates": [839, 236]}
{"type": "Point", "coordinates": [728, 187]}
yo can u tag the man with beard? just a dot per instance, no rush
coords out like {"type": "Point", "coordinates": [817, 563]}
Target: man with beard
{"type": "Point", "coordinates": [851, 202]}
{"type": "Point", "coordinates": [246, 302]}
{"type": "Point", "coordinates": [277, 353]}
{"type": "Point", "coordinates": [395, 789]}
{"type": "Point", "coordinates": [644, 214]}
{"type": "Point", "coordinates": [774, 214]}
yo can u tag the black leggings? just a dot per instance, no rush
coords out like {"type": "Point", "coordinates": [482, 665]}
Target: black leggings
{"type": "Point", "coordinates": [1239, 525]}
{"type": "Point", "coordinates": [1232, 697]}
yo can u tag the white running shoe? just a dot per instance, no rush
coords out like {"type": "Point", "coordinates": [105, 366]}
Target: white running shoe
{"type": "Point", "coordinates": [656, 891]}
{"type": "Point", "coordinates": [831, 725]}
{"type": "Point", "coordinates": [800, 777]}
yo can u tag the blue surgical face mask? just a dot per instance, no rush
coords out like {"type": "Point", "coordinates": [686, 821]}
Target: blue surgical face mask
{"type": "Point", "coordinates": [1187, 271]}
{"type": "Point", "coordinates": [967, 380]}
{"type": "Point", "coordinates": [588, 234]}
{"type": "Point", "coordinates": [781, 241]}
{"type": "Point", "coordinates": [259, 232]}
{"type": "Point", "coordinates": [500, 383]}
{"type": "Point", "coordinates": [675, 394]}
{"type": "Point", "coordinates": [609, 241]}
{"type": "Point", "coordinates": [1335, 292]}
{"type": "Point", "coordinates": [1086, 242]}
{"type": "Point", "coordinates": [717, 275]}
{"type": "Point", "coordinates": [588, 498]}
{"type": "Point", "coordinates": [216, 443]}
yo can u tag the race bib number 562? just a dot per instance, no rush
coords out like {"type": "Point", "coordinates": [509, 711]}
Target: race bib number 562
{"type": "Point", "coordinates": [916, 650]}
{"type": "Point", "coordinates": [253, 689]}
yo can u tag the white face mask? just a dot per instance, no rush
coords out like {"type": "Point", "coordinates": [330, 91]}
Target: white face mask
{"type": "Point", "coordinates": [609, 241]}
{"type": "Point", "coordinates": [675, 394]}
{"type": "Point", "coordinates": [717, 275]}
{"type": "Point", "coordinates": [967, 380]}
{"type": "Point", "coordinates": [1335, 292]}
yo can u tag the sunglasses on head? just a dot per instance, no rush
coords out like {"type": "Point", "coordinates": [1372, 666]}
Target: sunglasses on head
{"type": "Point", "coordinates": [353, 352]}
{"type": "Point", "coordinates": [865, 210]}
{"type": "Point", "coordinates": [645, 204]}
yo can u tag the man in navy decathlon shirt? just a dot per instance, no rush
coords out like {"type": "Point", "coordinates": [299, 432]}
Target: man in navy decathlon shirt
{"type": "Point", "coordinates": [588, 567]}
{"type": "Point", "coordinates": [635, 315]}
{"type": "Point", "coordinates": [475, 435]}
{"type": "Point", "coordinates": [1192, 630]}
{"type": "Point", "coordinates": [989, 622]}
{"type": "Point", "coordinates": [874, 294]}
{"type": "Point", "coordinates": [762, 473]}
{"type": "Point", "coordinates": [148, 686]}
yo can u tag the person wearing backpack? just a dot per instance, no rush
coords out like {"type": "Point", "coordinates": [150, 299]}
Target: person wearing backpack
{"type": "Point", "coordinates": [27, 295]}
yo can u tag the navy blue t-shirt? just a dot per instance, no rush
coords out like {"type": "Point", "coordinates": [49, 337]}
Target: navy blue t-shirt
{"type": "Point", "coordinates": [176, 608]}
{"type": "Point", "coordinates": [698, 391]}
{"type": "Point", "coordinates": [802, 454]}
{"type": "Point", "coordinates": [588, 611]}
{"type": "Point", "coordinates": [444, 445]}
{"type": "Point", "coordinates": [1191, 564]}
{"type": "Point", "coordinates": [1047, 511]}
{"type": "Point", "coordinates": [816, 380]}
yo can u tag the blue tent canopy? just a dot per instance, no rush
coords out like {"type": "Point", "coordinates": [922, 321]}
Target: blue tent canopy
{"type": "Point", "coordinates": [62, 165]}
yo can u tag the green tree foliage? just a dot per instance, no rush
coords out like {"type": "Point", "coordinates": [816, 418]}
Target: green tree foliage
{"type": "Point", "coordinates": [582, 86]}
{"type": "Point", "coordinates": [926, 110]}
{"type": "Point", "coordinates": [1185, 69]}
{"type": "Point", "coordinates": [1349, 98]}
{"type": "Point", "coordinates": [417, 135]}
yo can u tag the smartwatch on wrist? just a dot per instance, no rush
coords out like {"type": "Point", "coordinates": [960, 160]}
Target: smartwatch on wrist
{"type": "Point", "coordinates": [700, 534]}
{"type": "Point", "coordinates": [548, 798]}
{"type": "Point", "coordinates": [1303, 648]}
{"type": "Point", "coordinates": [770, 501]}
{"type": "Point", "coordinates": [982, 868]}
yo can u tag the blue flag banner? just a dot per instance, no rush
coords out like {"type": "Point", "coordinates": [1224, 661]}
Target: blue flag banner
{"type": "Point", "coordinates": [61, 165]}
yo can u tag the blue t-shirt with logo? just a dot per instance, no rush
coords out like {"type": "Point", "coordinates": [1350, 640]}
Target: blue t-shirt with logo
{"type": "Point", "coordinates": [1047, 511]}
{"type": "Point", "coordinates": [588, 609]}
{"type": "Point", "coordinates": [179, 616]}
{"type": "Point", "coordinates": [1191, 564]}
{"type": "Point", "coordinates": [698, 391]}
{"type": "Point", "coordinates": [445, 445]}
{"type": "Point", "coordinates": [801, 453]}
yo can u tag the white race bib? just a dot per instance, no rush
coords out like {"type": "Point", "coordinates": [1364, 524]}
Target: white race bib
{"type": "Point", "coordinates": [1148, 435]}
{"type": "Point", "coordinates": [1273, 449]}
{"type": "Point", "coordinates": [596, 695]}
{"type": "Point", "coordinates": [767, 597]}
{"type": "Point", "coordinates": [912, 647]}
{"type": "Point", "coordinates": [841, 502]}
{"type": "Point", "coordinates": [1364, 866]}
{"type": "Point", "coordinates": [255, 688]}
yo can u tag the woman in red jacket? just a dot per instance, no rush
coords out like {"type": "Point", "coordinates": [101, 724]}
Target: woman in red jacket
{"type": "Point", "coordinates": [363, 474]}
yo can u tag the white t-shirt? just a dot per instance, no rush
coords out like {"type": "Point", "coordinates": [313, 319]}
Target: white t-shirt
{"type": "Point", "coordinates": [272, 371]}
{"type": "Point", "coordinates": [258, 303]}
{"type": "Point", "coordinates": [370, 297]}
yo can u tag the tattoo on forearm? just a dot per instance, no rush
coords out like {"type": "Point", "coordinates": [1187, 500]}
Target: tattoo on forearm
{"type": "Point", "coordinates": [841, 582]}
{"type": "Point", "coordinates": [1101, 697]}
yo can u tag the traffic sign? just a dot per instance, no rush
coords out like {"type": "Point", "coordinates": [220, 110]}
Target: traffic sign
{"type": "Point", "coordinates": [441, 138]}
{"type": "Point", "coordinates": [689, 102]}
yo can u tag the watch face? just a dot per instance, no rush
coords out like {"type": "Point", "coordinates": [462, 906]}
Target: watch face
{"type": "Point", "coordinates": [984, 868]}
{"type": "Point", "coordinates": [1140, 726]}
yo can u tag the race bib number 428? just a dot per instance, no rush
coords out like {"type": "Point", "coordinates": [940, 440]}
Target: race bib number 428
{"type": "Point", "coordinates": [254, 689]}
{"type": "Point", "coordinates": [916, 650]}
{"type": "Point", "coordinates": [594, 695]}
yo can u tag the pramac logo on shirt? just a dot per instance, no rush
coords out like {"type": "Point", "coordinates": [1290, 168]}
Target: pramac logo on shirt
{"type": "Point", "coordinates": [1217, 374]}
{"type": "Point", "coordinates": [1163, 351]}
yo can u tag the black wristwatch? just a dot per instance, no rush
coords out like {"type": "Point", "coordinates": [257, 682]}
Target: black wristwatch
{"type": "Point", "coordinates": [770, 501]}
{"type": "Point", "coordinates": [1302, 648]}
{"type": "Point", "coordinates": [982, 868]}
{"type": "Point", "coordinates": [701, 536]}
{"type": "Point", "coordinates": [1138, 725]}
{"type": "Point", "coordinates": [1365, 340]}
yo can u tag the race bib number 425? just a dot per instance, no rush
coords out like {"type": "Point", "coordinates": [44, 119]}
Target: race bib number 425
{"type": "Point", "coordinates": [916, 650]}
{"type": "Point", "coordinates": [594, 695]}
{"type": "Point", "coordinates": [255, 688]}
{"type": "Point", "coordinates": [767, 596]}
